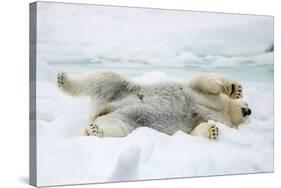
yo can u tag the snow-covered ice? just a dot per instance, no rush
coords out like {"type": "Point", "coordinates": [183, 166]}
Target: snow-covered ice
{"type": "Point", "coordinates": [65, 157]}
{"type": "Point", "coordinates": [149, 45]}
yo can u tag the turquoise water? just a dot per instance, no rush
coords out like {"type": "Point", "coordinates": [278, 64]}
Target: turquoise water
{"type": "Point", "coordinates": [248, 72]}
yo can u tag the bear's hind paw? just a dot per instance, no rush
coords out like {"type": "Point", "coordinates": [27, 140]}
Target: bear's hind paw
{"type": "Point", "coordinates": [213, 131]}
{"type": "Point", "coordinates": [93, 130]}
{"type": "Point", "coordinates": [61, 79]}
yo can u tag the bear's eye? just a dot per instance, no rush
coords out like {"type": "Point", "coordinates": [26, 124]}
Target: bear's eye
{"type": "Point", "coordinates": [246, 104]}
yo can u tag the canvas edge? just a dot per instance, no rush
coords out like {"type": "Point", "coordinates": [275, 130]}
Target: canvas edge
{"type": "Point", "coordinates": [147, 7]}
{"type": "Point", "coordinates": [32, 94]}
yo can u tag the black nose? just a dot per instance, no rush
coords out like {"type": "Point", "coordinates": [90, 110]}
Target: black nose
{"type": "Point", "coordinates": [246, 111]}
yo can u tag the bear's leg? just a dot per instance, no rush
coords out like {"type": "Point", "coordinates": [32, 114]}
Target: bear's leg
{"type": "Point", "coordinates": [107, 126]}
{"type": "Point", "coordinates": [207, 130]}
{"type": "Point", "coordinates": [73, 87]}
{"type": "Point", "coordinates": [104, 85]}
{"type": "Point", "coordinates": [216, 84]}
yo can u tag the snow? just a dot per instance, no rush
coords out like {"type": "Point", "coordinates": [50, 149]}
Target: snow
{"type": "Point", "coordinates": [73, 33]}
{"type": "Point", "coordinates": [148, 46]}
{"type": "Point", "coordinates": [66, 157]}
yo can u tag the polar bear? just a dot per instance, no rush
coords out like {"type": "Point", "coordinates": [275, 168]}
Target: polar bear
{"type": "Point", "coordinates": [124, 105]}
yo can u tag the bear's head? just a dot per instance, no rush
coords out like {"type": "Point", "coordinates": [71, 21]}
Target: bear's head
{"type": "Point", "coordinates": [238, 112]}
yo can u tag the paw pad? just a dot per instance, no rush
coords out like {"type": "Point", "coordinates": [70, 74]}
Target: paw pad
{"type": "Point", "coordinates": [60, 79]}
{"type": "Point", "coordinates": [93, 130]}
{"type": "Point", "coordinates": [213, 132]}
{"type": "Point", "coordinates": [236, 91]}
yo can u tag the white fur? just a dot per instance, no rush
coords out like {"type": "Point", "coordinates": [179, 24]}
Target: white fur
{"type": "Point", "coordinates": [166, 107]}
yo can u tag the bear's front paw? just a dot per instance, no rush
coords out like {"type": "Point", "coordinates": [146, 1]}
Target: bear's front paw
{"type": "Point", "coordinates": [213, 131]}
{"type": "Point", "coordinates": [207, 130]}
{"type": "Point", "coordinates": [235, 91]}
{"type": "Point", "coordinates": [92, 129]}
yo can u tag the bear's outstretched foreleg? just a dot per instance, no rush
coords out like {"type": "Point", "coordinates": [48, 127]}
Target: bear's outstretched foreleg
{"type": "Point", "coordinates": [215, 84]}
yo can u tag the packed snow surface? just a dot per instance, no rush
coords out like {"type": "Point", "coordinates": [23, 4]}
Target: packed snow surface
{"type": "Point", "coordinates": [148, 46]}
{"type": "Point", "coordinates": [65, 157]}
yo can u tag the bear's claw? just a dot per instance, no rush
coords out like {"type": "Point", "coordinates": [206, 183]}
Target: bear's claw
{"type": "Point", "coordinates": [236, 91]}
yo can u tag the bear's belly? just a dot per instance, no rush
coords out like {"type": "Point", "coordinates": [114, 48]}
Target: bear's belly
{"type": "Point", "coordinates": [166, 115]}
